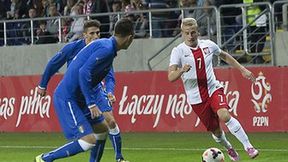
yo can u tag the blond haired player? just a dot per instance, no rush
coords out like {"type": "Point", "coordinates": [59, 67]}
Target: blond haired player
{"type": "Point", "coordinates": [192, 61]}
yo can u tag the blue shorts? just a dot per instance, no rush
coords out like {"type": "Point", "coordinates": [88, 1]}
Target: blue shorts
{"type": "Point", "coordinates": [97, 120]}
{"type": "Point", "coordinates": [72, 119]}
{"type": "Point", "coordinates": [103, 102]}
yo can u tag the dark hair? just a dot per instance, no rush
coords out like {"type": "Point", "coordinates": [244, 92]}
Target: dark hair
{"type": "Point", "coordinates": [32, 8]}
{"type": "Point", "coordinates": [116, 1]}
{"type": "Point", "coordinates": [91, 23]}
{"type": "Point", "coordinates": [42, 22]}
{"type": "Point", "coordinates": [124, 27]}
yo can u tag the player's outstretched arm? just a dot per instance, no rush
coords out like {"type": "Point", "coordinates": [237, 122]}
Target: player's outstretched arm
{"type": "Point", "coordinates": [53, 66]}
{"type": "Point", "coordinates": [174, 72]}
{"type": "Point", "coordinates": [231, 61]}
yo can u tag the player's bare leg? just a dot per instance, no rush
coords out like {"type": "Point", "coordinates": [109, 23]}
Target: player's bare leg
{"type": "Point", "coordinates": [236, 129]}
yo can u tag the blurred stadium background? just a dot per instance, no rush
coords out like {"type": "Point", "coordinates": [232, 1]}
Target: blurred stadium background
{"type": "Point", "coordinates": [256, 34]}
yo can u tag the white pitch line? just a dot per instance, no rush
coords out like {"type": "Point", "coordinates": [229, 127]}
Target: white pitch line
{"type": "Point", "coordinates": [138, 148]}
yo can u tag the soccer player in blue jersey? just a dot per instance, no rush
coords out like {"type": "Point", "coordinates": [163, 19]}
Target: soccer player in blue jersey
{"type": "Point", "coordinates": [80, 86]}
{"type": "Point", "coordinates": [66, 54]}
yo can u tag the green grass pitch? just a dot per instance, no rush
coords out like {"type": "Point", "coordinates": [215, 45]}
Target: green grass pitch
{"type": "Point", "coordinates": [144, 147]}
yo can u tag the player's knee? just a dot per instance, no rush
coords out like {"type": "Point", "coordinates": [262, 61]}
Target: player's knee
{"type": "Point", "coordinates": [90, 138]}
{"type": "Point", "coordinates": [112, 124]}
{"type": "Point", "coordinates": [100, 127]}
{"type": "Point", "coordinates": [101, 136]}
{"type": "Point", "coordinates": [224, 115]}
{"type": "Point", "coordinates": [103, 127]}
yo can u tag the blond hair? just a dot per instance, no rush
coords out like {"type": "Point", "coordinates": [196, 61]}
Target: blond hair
{"type": "Point", "coordinates": [188, 22]}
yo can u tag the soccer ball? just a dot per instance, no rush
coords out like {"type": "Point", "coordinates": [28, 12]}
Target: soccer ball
{"type": "Point", "coordinates": [213, 155]}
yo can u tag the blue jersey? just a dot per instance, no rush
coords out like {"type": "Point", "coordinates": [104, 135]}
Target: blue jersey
{"type": "Point", "coordinates": [66, 55]}
{"type": "Point", "coordinates": [87, 70]}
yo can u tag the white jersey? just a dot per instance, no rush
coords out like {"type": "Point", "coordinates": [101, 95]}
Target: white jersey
{"type": "Point", "coordinates": [200, 81]}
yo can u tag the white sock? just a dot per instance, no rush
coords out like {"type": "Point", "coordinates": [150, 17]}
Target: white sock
{"type": "Point", "coordinates": [236, 129]}
{"type": "Point", "coordinates": [222, 141]}
{"type": "Point", "coordinates": [114, 131]}
{"type": "Point", "coordinates": [85, 145]}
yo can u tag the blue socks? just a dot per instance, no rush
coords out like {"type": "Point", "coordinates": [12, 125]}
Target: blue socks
{"type": "Point", "coordinates": [68, 149]}
{"type": "Point", "coordinates": [97, 151]}
{"type": "Point", "coordinates": [114, 135]}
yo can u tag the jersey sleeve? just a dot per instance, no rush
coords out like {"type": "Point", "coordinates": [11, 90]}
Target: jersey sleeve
{"type": "Point", "coordinates": [86, 74]}
{"type": "Point", "coordinates": [54, 64]}
{"type": "Point", "coordinates": [110, 81]}
{"type": "Point", "coordinates": [215, 48]}
{"type": "Point", "coordinates": [174, 58]}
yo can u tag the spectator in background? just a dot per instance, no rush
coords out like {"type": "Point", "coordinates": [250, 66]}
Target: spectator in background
{"type": "Point", "coordinates": [200, 2]}
{"type": "Point", "coordinates": [59, 5]}
{"type": "Point", "coordinates": [67, 21]}
{"type": "Point", "coordinates": [32, 13]}
{"type": "Point", "coordinates": [127, 6]}
{"type": "Point", "coordinates": [230, 26]}
{"type": "Point", "coordinates": [116, 7]}
{"type": "Point", "coordinates": [158, 18]}
{"type": "Point", "coordinates": [101, 6]}
{"type": "Point", "coordinates": [53, 24]}
{"type": "Point", "coordinates": [98, 6]}
{"type": "Point", "coordinates": [206, 19]}
{"type": "Point", "coordinates": [19, 6]}
{"type": "Point", "coordinates": [76, 28]}
{"type": "Point", "coordinates": [68, 7]}
{"type": "Point", "coordinates": [43, 35]}
{"type": "Point", "coordinates": [45, 6]}
{"type": "Point", "coordinates": [257, 30]}
{"type": "Point", "coordinates": [26, 27]}
{"type": "Point", "coordinates": [14, 34]}
{"type": "Point", "coordinates": [88, 6]}
{"type": "Point", "coordinates": [186, 13]}
{"type": "Point", "coordinates": [37, 5]}
{"type": "Point", "coordinates": [187, 4]}
{"type": "Point", "coordinates": [141, 20]}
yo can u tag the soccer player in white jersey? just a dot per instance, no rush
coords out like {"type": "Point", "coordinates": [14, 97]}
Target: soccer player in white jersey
{"type": "Point", "coordinates": [192, 61]}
